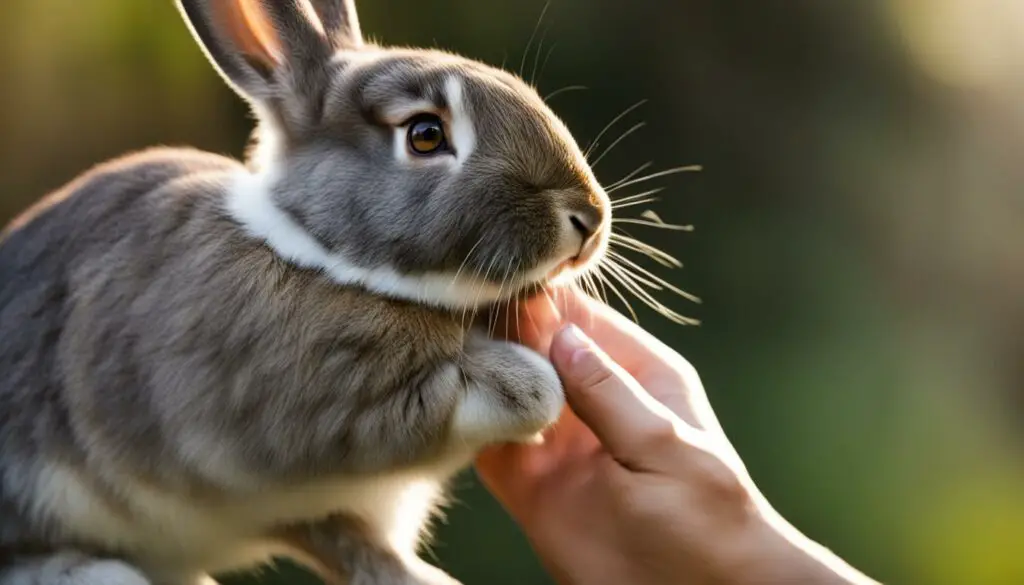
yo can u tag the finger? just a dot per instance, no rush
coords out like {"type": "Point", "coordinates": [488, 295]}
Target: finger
{"type": "Point", "coordinates": [623, 416]}
{"type": "Point", "coordinates": [624, 341]}
{"type": "Point", "coordinates": [532, 322]}
{"type": "Point", "coordinates": [662, 372]}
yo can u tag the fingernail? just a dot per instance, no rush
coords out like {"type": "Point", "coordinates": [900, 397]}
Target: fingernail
{"type": "Point", "coordinates": [580, 350]}
{"type": "Point", "coordinates": [575, 338]}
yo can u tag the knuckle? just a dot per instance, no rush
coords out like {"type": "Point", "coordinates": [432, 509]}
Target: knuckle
{"type": "Point", "coordinates": [660, 435]}
{"type": "Point", "coordinates": [597, 378]}
{"type": "Point", "coordinates": [719, 485]}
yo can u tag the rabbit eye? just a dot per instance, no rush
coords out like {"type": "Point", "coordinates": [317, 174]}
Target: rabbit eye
{"type": "Point", "coordinates": [426, 135]}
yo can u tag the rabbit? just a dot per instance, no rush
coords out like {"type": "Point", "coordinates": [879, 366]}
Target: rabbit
{"type": "Point", "coordinates": [210, 363]}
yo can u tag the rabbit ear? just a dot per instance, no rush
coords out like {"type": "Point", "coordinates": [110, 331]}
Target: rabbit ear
{"type": "Point", "coordinates": [250, 42]}
{"type": "Point", "coordinates": [340, 22]}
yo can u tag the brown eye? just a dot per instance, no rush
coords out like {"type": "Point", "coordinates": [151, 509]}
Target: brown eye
{"type": "Point", "coordinates": [426, 135]}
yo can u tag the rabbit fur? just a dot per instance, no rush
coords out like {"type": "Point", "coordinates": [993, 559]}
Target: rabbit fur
{"type": "Point", "coordinates": [207, 363]}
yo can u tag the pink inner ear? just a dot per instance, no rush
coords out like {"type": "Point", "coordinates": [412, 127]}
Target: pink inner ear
{"type": "Point", "coordinates": [249, 30]}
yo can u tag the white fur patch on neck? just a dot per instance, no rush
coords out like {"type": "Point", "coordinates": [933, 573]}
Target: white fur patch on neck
{"type": "Point", "coordinates": [250, 202]}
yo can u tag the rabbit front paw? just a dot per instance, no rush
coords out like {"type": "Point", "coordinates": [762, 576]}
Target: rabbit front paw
{"type": "Point", "coordinates": [511, 394]}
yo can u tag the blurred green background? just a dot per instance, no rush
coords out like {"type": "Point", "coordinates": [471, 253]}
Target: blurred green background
{"type": "Point", "coordinates": [859, 242]}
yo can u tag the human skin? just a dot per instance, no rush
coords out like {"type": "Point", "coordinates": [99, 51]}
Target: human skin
{"type": "Point", "coordinates": [637, 482]}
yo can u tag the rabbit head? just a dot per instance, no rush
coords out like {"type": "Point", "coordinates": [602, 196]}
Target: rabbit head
{"type": "Point", "coordinates": [414, 173]}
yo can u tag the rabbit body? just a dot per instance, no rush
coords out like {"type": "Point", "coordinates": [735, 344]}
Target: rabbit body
{"type": "Point", "coordinates": [206, 364]}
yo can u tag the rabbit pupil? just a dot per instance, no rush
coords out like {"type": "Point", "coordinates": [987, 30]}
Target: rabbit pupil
{"type": "Point", "coordinates": [426, 135]}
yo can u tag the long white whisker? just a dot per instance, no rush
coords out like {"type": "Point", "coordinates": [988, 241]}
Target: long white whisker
{"type": "Point", "coordinates": [583, 283]}
{"type": "Point", "coordinates": [512, 297]}
{"type": "Point", "coordinates": [518, 331]}
{"type": "Point", "coordinates": [533, 35]}
{"type": "Point", "coordinates": [614, 260]}
{"type": "Point", "coordinates": [594, 292]}
{"type": "Point", "coordinates": [686, 169]}
{"type": "Point", "coordinates": [551, 301]}
{"type": "Point", "coordinates": [634, 203]}
{"type": "Point", "coordinates": [630, 175]}
{"type": "Point", "coordinates": [604, 277]}
{"type": "Point", "coordinates": [536, 56]}
{"type": "Point", "coordinates": [464, 262]}
{"type": "Point", "coordinates": [564, 90]}
{"type": "Point", "coordinates": [476, 297]}
{"type": "Point", "coordinates": [656, 254]}
{"type": "Point", "coordinates": [631, 198]}
{"type": "Point", "coordinates": [653, 224]}
{"type": "Point", "coordinates": [533, 322]}
{"type": "Point", "coordinates": [544, 65]}
{"type": "Point", "coordinates": [641, 270]}
{"type": "Point", "coordinates": [501, 288]}
{"type": "Point", "coordinates": [627, 280]}
{"type": "Point", "coordinates": [601, 284]}
{"type": "Point", "coordinates": [579, 285]}
{"type": "Point", "coordinates": [624, 135]}
{"type": "Point", "coordinates": [593, 144]}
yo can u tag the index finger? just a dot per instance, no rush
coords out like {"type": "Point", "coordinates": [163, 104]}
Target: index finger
{"type": "Point", "coordinates": [666, 375]}
{"type": "Point", "coordinates": [633, 348]}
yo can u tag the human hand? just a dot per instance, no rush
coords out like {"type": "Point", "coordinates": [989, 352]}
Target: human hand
{"type": "Point", "coordinates": [637, 483]}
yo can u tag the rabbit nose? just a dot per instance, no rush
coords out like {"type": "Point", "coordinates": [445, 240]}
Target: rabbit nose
{"type": "Point", "coordinates": [586, 222]}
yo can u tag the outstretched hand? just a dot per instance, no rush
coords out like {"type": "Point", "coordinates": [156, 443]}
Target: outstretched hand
{"type": "Point", "coordinates": [637, 483]}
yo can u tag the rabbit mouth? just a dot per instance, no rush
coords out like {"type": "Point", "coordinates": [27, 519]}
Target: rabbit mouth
{"type": "Point", "coordinates": [560, 270]}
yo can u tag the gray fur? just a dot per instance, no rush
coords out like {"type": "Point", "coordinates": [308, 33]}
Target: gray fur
{"type": "Point", "coordinates": [152, 350]}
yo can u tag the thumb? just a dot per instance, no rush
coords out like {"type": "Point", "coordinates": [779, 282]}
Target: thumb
{"type": "Point", "coordinates": [623, 416]}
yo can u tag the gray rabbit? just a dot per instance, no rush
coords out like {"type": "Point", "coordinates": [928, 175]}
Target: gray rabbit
{"type": "Point", "coordinates": [204, 364]}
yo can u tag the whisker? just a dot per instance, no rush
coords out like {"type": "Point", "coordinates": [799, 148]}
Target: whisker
{"type": "Point", "coordinates": [629, 198]}
{"type": "Point", "coordinates": [551, 301]}
{"type": "Point", "coordinates": [536, 56]}
{"type": "Point", "coordinates": [604, 277]}
{"type": "Point", "coordinates": [651, 276]}
{"type": "Point", "coordinates": [476, 297]}
{"type": "Point", "coordinates": [673, 171]}
{"type": "Point", "coordinates": [584, 284]}
{"type": "Point", "coordinates": [653, 224]}
{"type": "Point", "coordinates": [518, 332]}
{"type": "Point", "coordinates": [633, 173]}
{"type": "Point", "coordinates": [544, 65]}
{"type": "Point", "coordinates": [592, 285]}
{"type": "Point", "coordinates": [635, 203]}
{"type": "Point", "coordinates": [508, 309]}
{"type": "Point", "coordinates": [656, 254]}
{"type": "Point", "coordinates": [608, 126]}
{"type": "Point", "coordinates": [533, 35]}
{"type": "Point", "coordinates": [627, 280]}
{"type": "Point", "coordinates": [533, 322]}
{"type": "Point", "coordinates": [565, 90]}
{"type": "Point", "coordinates": [613, 260]}
{"type": "Point", "coordinates": [601, 284]}
{"type": "Point", "coordinates": [464, 262]}
{"type": "Point", "coordinates": [624, 135]}
{"type": "Point", "coordinates": [579, 285]}
{"type": "Point", "coordinates": [501, 288]}
{"type": "Point", "coordinates": [511, 298]}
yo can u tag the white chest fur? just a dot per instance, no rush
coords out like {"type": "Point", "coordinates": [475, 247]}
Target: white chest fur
{"type": "Point", "coordinates": [167, 531]}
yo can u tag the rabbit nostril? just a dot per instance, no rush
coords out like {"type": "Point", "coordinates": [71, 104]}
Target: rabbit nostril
{"type": "Point", "coordinates": [580, 226]}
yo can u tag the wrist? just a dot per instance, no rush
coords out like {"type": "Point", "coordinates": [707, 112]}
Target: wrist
{"type": "Point", "coordinates": [774, 552]}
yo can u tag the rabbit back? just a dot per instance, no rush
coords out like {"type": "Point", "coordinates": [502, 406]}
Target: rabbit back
{"type": "Point", "coordinates": [173, 389]}
{"type": "Point", "coordinates": [71, 230]}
